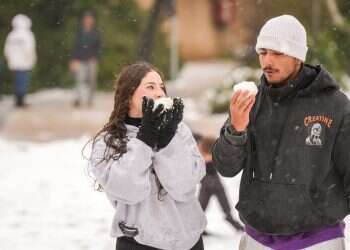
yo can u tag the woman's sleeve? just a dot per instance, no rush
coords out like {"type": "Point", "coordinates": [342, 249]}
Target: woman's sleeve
{"type": "Point", "coordinates": [179, 166]}
{"type": "Point", "coordinates": [127, 179]}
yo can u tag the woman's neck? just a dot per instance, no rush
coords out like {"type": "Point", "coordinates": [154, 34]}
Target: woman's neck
{"type": "Point", "coordinates": [134, 121]}
{"type": "Point", "coordinates": [134, 114]}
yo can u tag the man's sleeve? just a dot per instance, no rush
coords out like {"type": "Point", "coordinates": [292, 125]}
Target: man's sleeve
{"type": "Point", "coordinates": [341, 152]}
{"type": "Point", "coordinates": [229, 151]}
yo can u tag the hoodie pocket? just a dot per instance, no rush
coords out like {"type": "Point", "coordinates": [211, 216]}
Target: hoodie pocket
{"type": "Point", "coordinates": [278, 208]}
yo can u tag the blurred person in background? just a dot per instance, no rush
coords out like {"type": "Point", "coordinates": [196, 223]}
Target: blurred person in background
{"type": "Point", "coordinates": [20, 54]}
{"type": "Point", "coordinates": [148, 164]}
{"type": "Point", "coordinates": [292, 142]}
{"type": "Point", "coordinates": [1, 76]}
{"type": "Point", "coordinates": [211, 184]}
{"type": "Point", "coordinates": [84, 61]}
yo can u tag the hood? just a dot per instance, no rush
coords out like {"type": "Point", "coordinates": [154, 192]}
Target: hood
{"type": "Point", "coordinates": [21, 21]}
{"type": "Point", "coordinates": [310, 80]}
{"type": "Point", "coordinates": [322, 82]}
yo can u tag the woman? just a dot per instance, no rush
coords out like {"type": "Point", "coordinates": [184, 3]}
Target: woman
{"type": "Point", "coordinates": [147, 162]}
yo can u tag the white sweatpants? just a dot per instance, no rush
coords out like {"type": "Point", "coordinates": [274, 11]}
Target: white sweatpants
{"type": "Point", "coordinates": [85, 78]}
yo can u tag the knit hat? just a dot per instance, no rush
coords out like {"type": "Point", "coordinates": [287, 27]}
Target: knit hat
{"type": "Point", "coordinates": [284, 34]}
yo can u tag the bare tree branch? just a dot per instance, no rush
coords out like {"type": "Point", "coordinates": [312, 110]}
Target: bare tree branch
{"type": "Point", "coordinates": [335, 14]}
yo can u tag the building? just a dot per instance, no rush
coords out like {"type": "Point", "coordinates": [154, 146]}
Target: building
{"type": "Point", "coordinates": [208, 29]}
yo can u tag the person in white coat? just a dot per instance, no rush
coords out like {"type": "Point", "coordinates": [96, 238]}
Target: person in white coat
{"type": "Point", "coordinates": [20, 54]}
{"type": "Point", "coordinates": [147, 162]}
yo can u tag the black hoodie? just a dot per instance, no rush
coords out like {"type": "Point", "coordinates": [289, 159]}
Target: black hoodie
{"type": "Point", "coordinates": [295, 156]}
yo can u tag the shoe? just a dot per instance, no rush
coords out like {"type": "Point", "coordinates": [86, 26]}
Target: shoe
{"type": "Point", "coordinates": [206, 233]}
{"type": "Point", "coordinates": [76, 103]}
{"type": "Point", "coordinates": [235, 223]}
{"type": "Point", "coordinates": [20, 103]}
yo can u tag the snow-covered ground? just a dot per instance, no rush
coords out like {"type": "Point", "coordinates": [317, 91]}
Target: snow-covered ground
{"type": "Point", "coordinates": [47, 201]}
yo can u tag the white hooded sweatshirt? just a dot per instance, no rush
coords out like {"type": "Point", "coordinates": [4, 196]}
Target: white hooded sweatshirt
{"type": "Point", "coordinates": [174, 222]}
{"type": "Point", "coordinates": [20, 45]}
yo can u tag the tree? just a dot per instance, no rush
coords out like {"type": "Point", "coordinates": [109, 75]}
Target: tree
{"type": "Point", "coordinates": [54, 25]}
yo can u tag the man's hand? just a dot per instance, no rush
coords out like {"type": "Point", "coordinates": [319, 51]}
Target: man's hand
{"type": "Point", "coordinates": [240, 106]}
{"type": "Point", "coordinates": [74, 65]}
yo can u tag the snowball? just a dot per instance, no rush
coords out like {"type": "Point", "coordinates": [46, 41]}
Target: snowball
{"type": "Point", "coordinates": [244, 86]}
{"type": "Point", "coordinates": [166, 101]}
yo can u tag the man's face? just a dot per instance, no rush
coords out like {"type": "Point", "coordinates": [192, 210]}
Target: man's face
{"type": "Point", "coordinates": [278, 67]}
{"type": "Point", "coordinates": [88, 22]}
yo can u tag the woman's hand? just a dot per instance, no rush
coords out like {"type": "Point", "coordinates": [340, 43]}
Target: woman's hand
{"type": "Point", "coordinates": [171, 120]}
{"type": "Point", "coordinates": [151, 120]}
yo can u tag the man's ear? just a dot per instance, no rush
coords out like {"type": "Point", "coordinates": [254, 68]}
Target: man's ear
{"type": "Point", "coordinates": [299, 62]}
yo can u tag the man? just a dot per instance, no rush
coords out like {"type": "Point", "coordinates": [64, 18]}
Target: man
{"type": "Point", "coordinates": [84, 60]}
{"type": "Point", "coordinates": [292, 142]}
{"type": "Point", "coordinates": [211, 184]}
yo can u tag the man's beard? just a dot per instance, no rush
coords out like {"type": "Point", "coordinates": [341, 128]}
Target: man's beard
{"type": "Point", "coordinates": [285, 81]}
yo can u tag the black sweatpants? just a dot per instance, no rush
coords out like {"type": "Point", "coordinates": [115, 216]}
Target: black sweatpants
{"type": "Point", "coordinates": [212, 186]}
{"type": "Point", "coordinates": [127, 243]}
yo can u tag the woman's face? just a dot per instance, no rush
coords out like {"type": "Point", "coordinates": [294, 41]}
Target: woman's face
{"type": "Point", "coordinates": [151, 86]}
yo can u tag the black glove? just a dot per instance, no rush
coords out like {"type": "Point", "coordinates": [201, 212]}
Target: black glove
{"type": "Point", "coordinates": [171, 119]}
{"type": "Point", "coordinates": [151, 120]}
